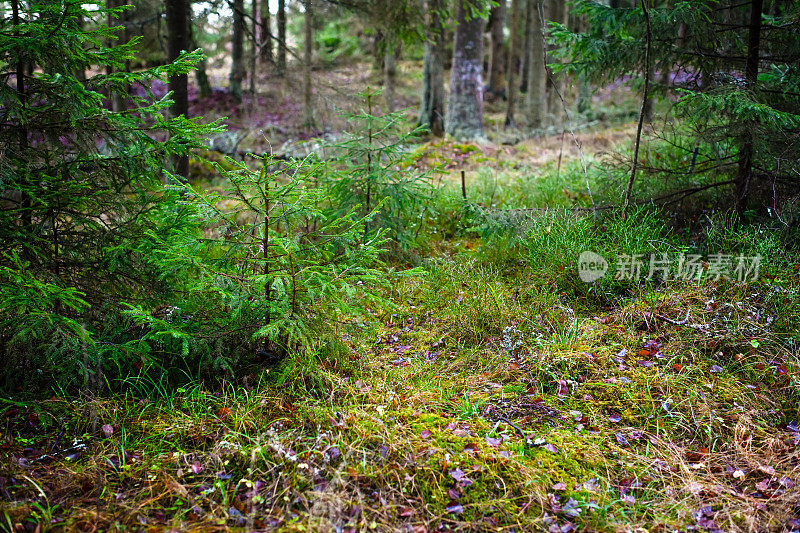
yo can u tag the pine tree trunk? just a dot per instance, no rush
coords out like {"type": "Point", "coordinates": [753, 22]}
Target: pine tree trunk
{"type": "Point", "coordinates": [558, 12]}
{"type": "Point", "coordinates": [177, 42]}
{"type": "Point", "coordinates": [251, 76]}
{"type": "Point", "coordinates": [389, 75]}
{"type": "Point", "coordinates": [266, 34]}
{"type": "Point", "coordinates": [308, 20]}
{"type": "Point", "coordinates": [281, 37]}
{"type": "Point", "coordinates": [745, 166]}
{"type": "Point", "coordinates": [431, 112]}
{"type": "Point", "coordinates": [515, 40]}
{"type": "Point", "coordinates": [535, 99]}
{"type": "Point", "coordinates": [26, 217]}
{"type": "Point", "coordinates": [526, 47]}
{"type": "Point", "coordinates": [497, 74]}
{"type": "Point", "coordinates": [464, 118]}
{"type": "Point", "coordinates": [237, 53]}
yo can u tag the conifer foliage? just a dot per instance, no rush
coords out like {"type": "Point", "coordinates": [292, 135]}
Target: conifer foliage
{"type": "Point", "coordinates": [732, 69]}
{"type": "Point", "coordinates": [81, 184]}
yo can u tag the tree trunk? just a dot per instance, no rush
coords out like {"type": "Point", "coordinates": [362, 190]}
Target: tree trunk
{"type": "Point", "coordinates": [536, 97]}
{"type": "Point", "coordinates": [465, 108]}
{"type": "Point", "coordinates": [389, 74]}
{"type": "Point", "coordinates": [497, 74]}
{"type": "Point", "coordinates": [26, 216]}
{"type": "Point", "coordinates": [178, 42]}
{"type": "Point", "coordinates": [281, 37]}
{"type": "Point", "coordinates": [266, 34]}
{"type": "Point", "coordinates": [515, 27]}
{"type": "Point", "coordinates": [431, 112]}
{"type": "Point", "coordinates": [237, 54]}
{"type": "Point", "coordinates": [251, 76]}
{"type": "Point", "coordinates": [558, 12]}
{"type": "Point", "coordinates": [308, 21]}
{"type": "Point", "coordinates": [526, 47]}
{"type": "Point", "coordinates": [201, 74]}
{"type": "Point", "coordinates": [745, 167]}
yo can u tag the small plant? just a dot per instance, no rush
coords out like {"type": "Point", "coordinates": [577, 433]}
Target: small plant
{"type": "Point", "coordinates": [370, 172]}
{"type": "Point", "coordinates": [267, 256]}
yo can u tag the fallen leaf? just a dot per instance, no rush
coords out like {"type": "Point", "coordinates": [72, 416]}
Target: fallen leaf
{"type": "Point", "coordinates": [614, 417]}
{"type": "Point", "coordinates": [454, 508]}
{"type": "Point", "coordinates": [426, 434]}
{"type": "Point", "coordinates": [764, 485]}
{"type": "Point", "coordinates": [715, 369]}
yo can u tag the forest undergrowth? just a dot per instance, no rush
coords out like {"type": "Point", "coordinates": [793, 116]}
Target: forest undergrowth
{"type": "Point", "coordinates": [489, 388]}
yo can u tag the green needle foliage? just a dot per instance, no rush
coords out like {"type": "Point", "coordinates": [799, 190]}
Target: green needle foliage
{"type": "Point", "coordinates": [370, 171]}
{"type": "Point", "coordinates": [700, 55]}
{"type": "Point", "coordinates": [82, 193]}
{"type": "Point", "coordinates": [266, 261]}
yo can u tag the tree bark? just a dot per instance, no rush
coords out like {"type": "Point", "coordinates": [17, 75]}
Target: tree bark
{"type": "Point", "coordinates": [281, 37]}
{"type": "Point", "coordinates": [431, 112]}
{"type": "Point", "coordinates": [558, 12]}
{"type": "Point", "coordinates": [464, 118]}
{"type": "Point", "coordinates": [515, 27]}
{"type": "Point", "coordinates": [251, 75]}
{"type": "Point", "coordinates": [389, 74]}
{"type": "Point", "coordinates": [237, 53]}
{"type": "Point", "coordinates": [26, 216]}
{"type": "Point", "coordinates": [536, 97]}
{"type": "Point", "coordinates": [745, 166]}
{"type": "Point", "coordinates": [526, 47]}
{"type": "Point", "coordinates": [497, 74]}
{"type": "Point", "coordinates": [266, 33]}
{"type": "Point", "coordinates": [308, 21]}
{"type": "Point", "coordinates": [178, 42]}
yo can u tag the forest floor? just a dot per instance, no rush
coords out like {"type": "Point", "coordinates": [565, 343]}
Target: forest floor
{"type": "Point", "coordinates": [487, 395]}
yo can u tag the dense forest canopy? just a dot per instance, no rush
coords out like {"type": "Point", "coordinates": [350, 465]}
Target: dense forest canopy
{"type": "Point", "coordinates": [406, 265]}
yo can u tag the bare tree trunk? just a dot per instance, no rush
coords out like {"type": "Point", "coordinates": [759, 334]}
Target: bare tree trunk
{"type": "Point", "coordinates": [536, 97]}
{"type": "Point", "coordinates": [308, 21]}
{"type": "Point", "coordinates": [26, 217]}
{"type": "Point", "coordinates": [266, 33]}
{"type": "Point", "coordinates": [251, 75]}
{"type": "Point", "coordinates": [237, 54]}
{"type": "Point", "coordinates": [464, 118]}
{"type": "Point", "coordinates": [745, 166]}
{"type": "Point", "coordinates": [431, 112]}
{"type": "Point", "coordinates": [515, 27]}
{"type": "Point", "coordinates": [558, 13]}
{"type": "Point", "coordinates": [178, 42]}
{"type": "Point", "coordinates": [201, 74]}
{"type": "Point", "coordinates": [281, 37]}
{"type": "Point", "coordinates": [389, 74]}
{"type": "Point", "coordinates": [526, 48]}
{"type": "Point", "coordinates": [497, 74]}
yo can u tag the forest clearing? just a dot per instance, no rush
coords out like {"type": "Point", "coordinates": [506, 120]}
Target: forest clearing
{"type": "Point", "coordinates": [414, 266]}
